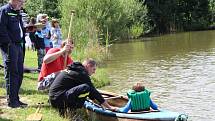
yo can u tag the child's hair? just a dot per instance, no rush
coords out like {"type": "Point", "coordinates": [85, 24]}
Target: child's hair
{"type": "Point", "coordinates": [53, 22]}
{"type": "Point", "coordinates": [138, 87]}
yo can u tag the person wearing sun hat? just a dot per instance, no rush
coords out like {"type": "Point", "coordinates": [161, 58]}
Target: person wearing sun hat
{"type": "Point", "coordinates": [31, 29]}
{"type": "Point", "coordinates": [46, 31]}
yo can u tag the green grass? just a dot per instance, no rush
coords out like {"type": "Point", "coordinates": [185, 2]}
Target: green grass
{"type": "Point", "coordinates": [30, 95]}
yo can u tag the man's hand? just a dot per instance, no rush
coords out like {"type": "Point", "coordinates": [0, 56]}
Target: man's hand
{"type": "Point", "coordinates": [113, 108]}
{"type": "Point", "coordinates": [68, 47]}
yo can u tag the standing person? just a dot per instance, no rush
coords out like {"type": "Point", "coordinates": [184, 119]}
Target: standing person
{"type": "Point", "coordinates": [32, 30]}
{"type": "Point", "coordinates": [28, 43]}
{"type": "Point", "coordinates": [39, 44]}
{"type": "Point", "coordinates": [56, 35]}
{"type": "Point", "coordinates": [46, 31]}
{"type": "Point", "coordinates": [54, 62]}
{"type": "Point", "coordinates": [25, 17]}
{"type": "Point", "coordinates": [73, 85]}
{"type": "Point", "coordinates": [11, 45]}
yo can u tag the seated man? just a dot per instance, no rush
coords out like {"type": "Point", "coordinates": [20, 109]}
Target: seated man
{"type": "Point", "coordinates": [139, 100]}
{"type": "Point", "coordinates": [53, 63]}
{"type": "Point", "coordinates": [73, 85]}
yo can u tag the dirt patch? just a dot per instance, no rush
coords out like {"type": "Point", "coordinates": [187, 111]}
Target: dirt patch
{"type": "Point", "coordinates": [3, 103]}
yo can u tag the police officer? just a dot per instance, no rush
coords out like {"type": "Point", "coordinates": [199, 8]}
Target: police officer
{"type": "Point", "coordinates": [11, 46]}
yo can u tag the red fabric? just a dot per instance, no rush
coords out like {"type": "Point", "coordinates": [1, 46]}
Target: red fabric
{"type": "Point", "coordinates": [47, 48]}
{"type": "Point", "coordinates": [54, 66]}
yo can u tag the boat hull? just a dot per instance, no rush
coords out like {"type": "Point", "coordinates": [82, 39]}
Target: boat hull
{"type": "Point", "coordinates": [97, 113]}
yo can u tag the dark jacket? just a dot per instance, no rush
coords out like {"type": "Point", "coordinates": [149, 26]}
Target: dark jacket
{"type": "Point", "coordinates": [9, 25]}
{"type": "Point", "coordinates": [39, 40]}
{"type": "Point", "coordinates": [75, 75]}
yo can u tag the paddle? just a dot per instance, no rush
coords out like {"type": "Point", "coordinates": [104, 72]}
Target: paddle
{"type": "Point", "coordinates": [111, 95]}
{"type": "Point", "coordinates": [35, 116]}
{"type": "Point", "coordinates": [109, 98]}
{"type": "Point", "coordinates": [69, 36]}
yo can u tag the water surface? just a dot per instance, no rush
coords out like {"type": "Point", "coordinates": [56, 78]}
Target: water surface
{"type": "Point", "coordinates": [179, 70]}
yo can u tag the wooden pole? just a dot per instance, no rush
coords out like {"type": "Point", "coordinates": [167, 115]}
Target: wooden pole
{"type": "Point", "coordinates": [68, 36]}
{"type": "Point", "coordinates": [36, 116]}
{"type": "Point", "coordinates": [70, 24]}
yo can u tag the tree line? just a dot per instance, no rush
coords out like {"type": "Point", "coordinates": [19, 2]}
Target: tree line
{"type": "Point", "coordinates": [119, 19]}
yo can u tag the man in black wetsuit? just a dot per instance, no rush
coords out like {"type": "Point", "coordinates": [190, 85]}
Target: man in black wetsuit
{"type": "Point", "coordinates": [73, 85]}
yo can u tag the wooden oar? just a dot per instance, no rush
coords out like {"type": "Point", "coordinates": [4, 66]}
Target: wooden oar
{"type": "Point", "coordinates": [68, 36]}
{"type": "Point", "coordinates": [110, 95]}
{"type": "Point", "coordinates": [35, 116]}
{"type": "Point", "coordinates": [106, 93]}
{"type": "Point", "coordinates": [109, 98]}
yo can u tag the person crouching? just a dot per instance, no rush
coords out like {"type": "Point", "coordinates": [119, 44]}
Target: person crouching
{"type": "Point", "coordinates": [73, 85]}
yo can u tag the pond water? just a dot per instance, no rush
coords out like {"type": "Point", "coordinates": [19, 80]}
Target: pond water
{"type": "Point", "coordinates": [179, 70]}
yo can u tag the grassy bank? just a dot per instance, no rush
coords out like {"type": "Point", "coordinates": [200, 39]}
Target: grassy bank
{"type": "Point", "coordinates": [30, 95]}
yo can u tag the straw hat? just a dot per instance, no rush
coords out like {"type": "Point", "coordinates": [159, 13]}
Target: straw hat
{"type": "Point", "coordinates": [39, 25]}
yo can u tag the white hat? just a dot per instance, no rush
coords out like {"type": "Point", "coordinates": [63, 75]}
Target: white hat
{"type": "Point", "coordinates": [41, 16]}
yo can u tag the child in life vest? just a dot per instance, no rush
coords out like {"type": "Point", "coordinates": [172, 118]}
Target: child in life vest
{"type": "Point", "coordinates": [139, 100]}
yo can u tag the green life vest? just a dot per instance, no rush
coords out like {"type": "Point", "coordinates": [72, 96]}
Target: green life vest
{"type": "Point", "coordinates": [139, 100]}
